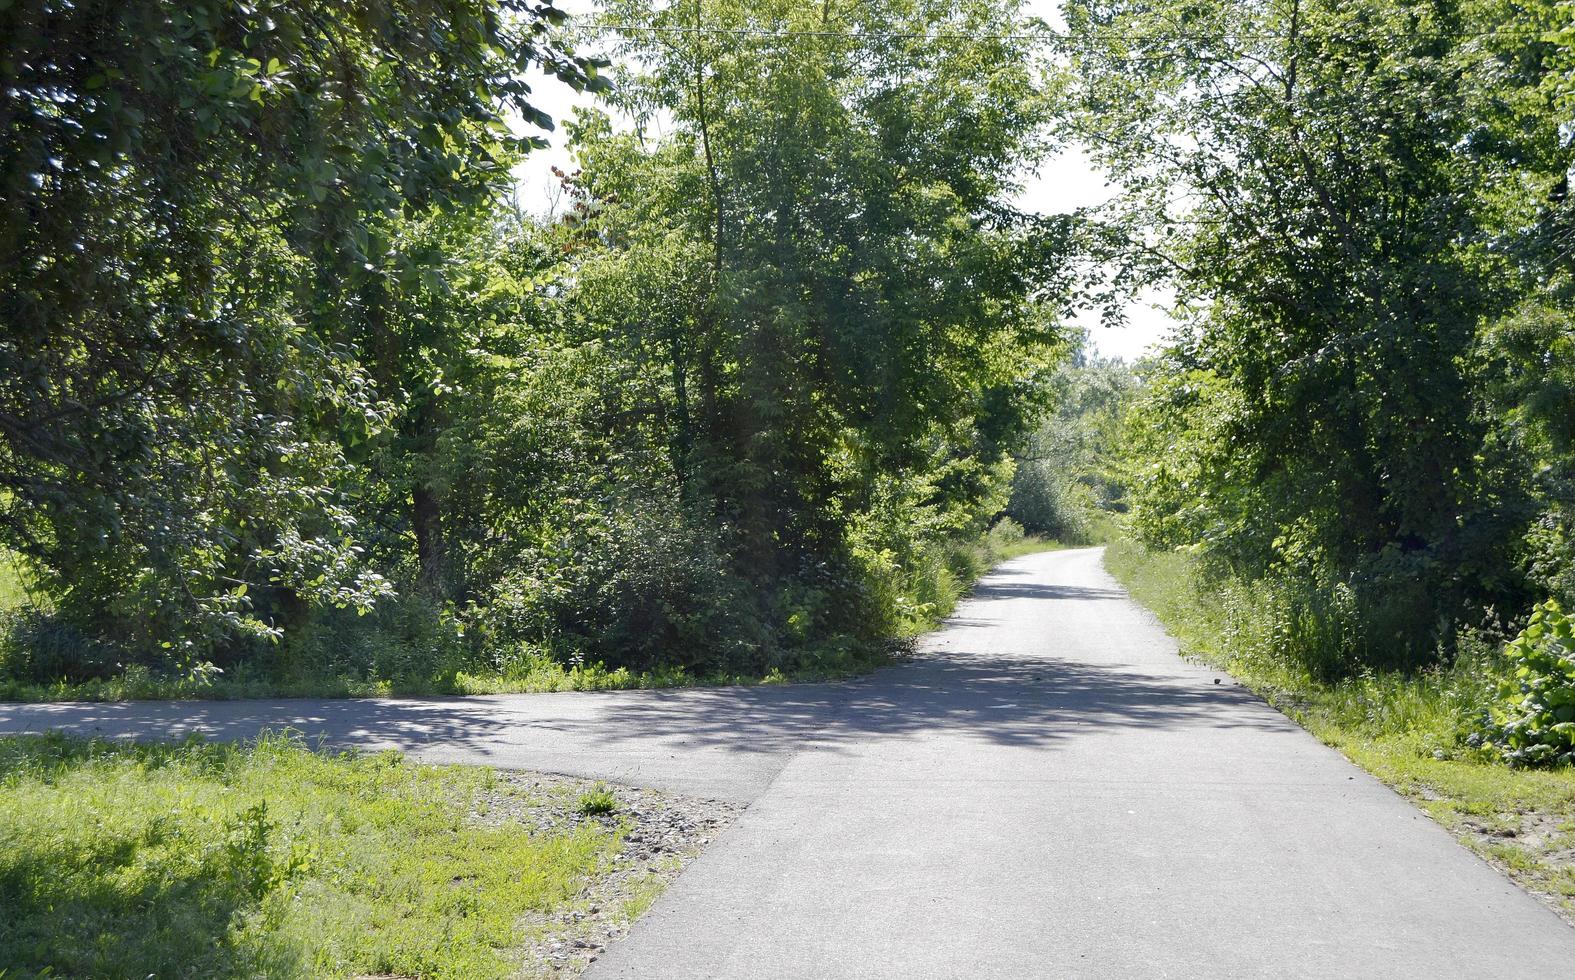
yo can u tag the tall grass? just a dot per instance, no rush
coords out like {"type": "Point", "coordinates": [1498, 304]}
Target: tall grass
{"type": "Point", "coordinates": [1285, 644]}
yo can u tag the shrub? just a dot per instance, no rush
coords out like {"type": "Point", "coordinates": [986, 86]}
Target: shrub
{"type": "Point", "coordinates": [38, 647]}
{"type": "Point", "coordinates": [1534, 722]}
{"type": "Point", "coordinates": [596, 801]}
{"type": "Point", "coordinates": [635, 581]}
{"type": "Point", "coordinates": [1050, 503]}
{"type": "Point", "coordinates": [1005, 534]}
{"type": "Point", "coordinates": [410, 640]}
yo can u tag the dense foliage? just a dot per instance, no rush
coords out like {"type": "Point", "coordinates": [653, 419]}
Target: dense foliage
{"type": "Point", "coordinates": [1365, 210]}
{"type": "Point", "coordinates": [1071, 475]}
{"type": "Point", "coordinates": [289, 387]}
{"type": "Point", "coordinates": [1535, 723]}
{"type": "Point", "coordinates": [203, 215]}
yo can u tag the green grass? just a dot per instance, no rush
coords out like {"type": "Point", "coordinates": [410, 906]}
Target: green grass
{"type": "Point", "coordinates": [1029, 545]}
{"type": "Point", "coordinates": [530, 675]}
{"type": "Point", "coordinates": [14, 592]}
{"type": "Point", "coordinates": [269, 860]}
{"type": "Point", "coordinates": [1403, 728]}
{"type": "Point", "coordinates": [596, 801]}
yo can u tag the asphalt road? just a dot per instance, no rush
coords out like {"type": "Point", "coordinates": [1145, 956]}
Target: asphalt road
{"type": "Point", "coordinates": [1047, 791]}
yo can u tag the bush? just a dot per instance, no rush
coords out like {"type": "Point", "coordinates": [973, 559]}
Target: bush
{"type": "Point", "coordinates": [637, 582]}
{"type": "Point", "coordinates": [1006, 534]}
{"type": "Point", "coordinates": [1049, 503]}
{"type": "Point", "coordinates": [1534, 722]}
{"type": "Point", "coordinates": [38, 647]}
{"type": "Point", "coordinates": [411, 641]}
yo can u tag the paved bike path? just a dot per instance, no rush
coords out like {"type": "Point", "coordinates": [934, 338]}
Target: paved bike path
{"type": "Point", "coordinates": [1048, 790]}
{"type": "Point", "coordinates": [1080, 803]}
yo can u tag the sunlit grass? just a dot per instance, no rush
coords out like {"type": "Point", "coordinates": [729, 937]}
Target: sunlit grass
{"type": "Point", "coordinates": [267, 860]}
{"type": "Point", "coordinates": [13, 591]}
{"type": "Point", "coordinates": [529, 673]}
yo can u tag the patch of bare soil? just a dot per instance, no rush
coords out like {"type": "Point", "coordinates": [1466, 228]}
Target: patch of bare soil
{"type": "Point", "coordinates": [661, 834]}
{"type": "Point", "coordinates": [1535, 849]}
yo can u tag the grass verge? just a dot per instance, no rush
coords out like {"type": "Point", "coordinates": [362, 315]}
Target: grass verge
{"type": "Point", "coordinates": [529, 675]}
{"type": "Point", "coordinates": [1402, 728]}
{"type": "Point", "coordinates": [268, 859]}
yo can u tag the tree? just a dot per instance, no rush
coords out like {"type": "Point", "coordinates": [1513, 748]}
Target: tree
{"type": "Point", "coordinates": [1336, 189]}
{"type": "Point", "coordinates": [1070, 469]}
{"type": "Point", "coordinates": [194, 242]}
{"type": "Point", "coordinates": [844, 298]}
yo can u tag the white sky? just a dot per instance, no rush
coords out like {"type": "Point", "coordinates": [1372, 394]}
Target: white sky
{"type": "Point", "coordinates": [1063, 183]}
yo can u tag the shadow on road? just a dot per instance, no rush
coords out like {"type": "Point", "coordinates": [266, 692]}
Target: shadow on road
{"type": "Point", "coordinates": [961, 689]}
{"type": "Point", "coordinates": [1009, 590]}
{"type": "Point", "coordinates": [1002, 700]}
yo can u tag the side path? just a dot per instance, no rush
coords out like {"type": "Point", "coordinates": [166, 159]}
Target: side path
{"type": "Point", "coordinates": [714, 743]}
{"type": "Point", "coordinates": [1082, 803]}
{"type": "Point", "coordinates": [1049, 791]}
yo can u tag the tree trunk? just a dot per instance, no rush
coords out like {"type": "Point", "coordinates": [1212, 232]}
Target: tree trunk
{"type": "Point", "coordinates": [427, 518]}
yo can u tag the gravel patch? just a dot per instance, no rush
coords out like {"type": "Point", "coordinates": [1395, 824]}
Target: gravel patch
{"type": "Point", "coordinates": [1535, 849]}
{"type": "Point", "coordinates": [661, 834]}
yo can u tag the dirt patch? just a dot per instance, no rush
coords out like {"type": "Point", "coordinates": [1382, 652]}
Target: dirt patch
{"type": "Point", "coordinates": [1535, 849]}
{"type": "Point", "coordinates": [661, 834]}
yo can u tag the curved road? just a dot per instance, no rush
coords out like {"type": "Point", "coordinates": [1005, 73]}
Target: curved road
{"type": "Point", "coordinates": [1047, 791]}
